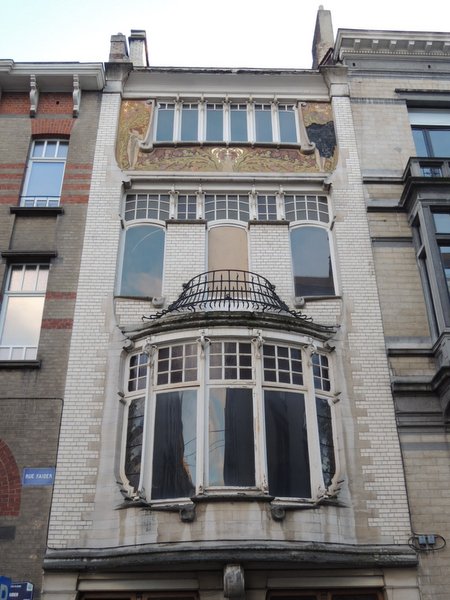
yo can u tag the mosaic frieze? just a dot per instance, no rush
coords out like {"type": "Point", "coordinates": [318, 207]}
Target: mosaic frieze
{"type": "Point", "coordinates": [135, 153]}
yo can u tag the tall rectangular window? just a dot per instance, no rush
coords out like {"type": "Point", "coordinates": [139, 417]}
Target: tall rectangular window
{"type": "Point", "coordinates": [214, 122]}
{"type": "Point", "coordinates": [164, 128]}
{"type": "Point", "coordinates": [189, 123]}
{"type": "Point", "coordinates": [286, 121]}
{"type": "Point", "coordinates": [263, 123]}
{"type": "Point", "coordinates": [45, 173]}
{"type": "Point", "coordinates": [238, 123]}
{"type": "Point", "coordinates": [22, 309]}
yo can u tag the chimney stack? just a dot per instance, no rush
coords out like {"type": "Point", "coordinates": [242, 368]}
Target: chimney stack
{"type": "Point", "coordinates": [118, 49]}
{"type": "Point", "coordinates": [138, 48]}
{"type": "Point", "coordinates": [323, 36]}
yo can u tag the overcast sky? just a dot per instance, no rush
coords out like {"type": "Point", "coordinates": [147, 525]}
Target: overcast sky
{"type": "Point", "coordinates": [194, 33]}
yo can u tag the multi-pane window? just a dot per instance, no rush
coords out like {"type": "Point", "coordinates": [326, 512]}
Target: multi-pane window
{"type": "Point", "coordinates": [147, 206]}
{"type": "Point", "coordinates": [228, 415]}
{"type": "Point", "coordinates": [267, 207]}
{"type": "Point", "coordinates": [187, 206]}
{"type": "Point", "coordinates": [431, 131]}
{"type": "Point", "coordinates": [45, 173]}
{"type": "Point", "coordinates": [218, 122]}
{"type": "Point", "coordinates": [22, 309]}
{"type": "Point", "coordinates": [226, 206]}
{"type": "Point", "coordinates": [299, 207]}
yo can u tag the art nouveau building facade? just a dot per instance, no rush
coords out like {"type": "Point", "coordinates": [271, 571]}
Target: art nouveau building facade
{"type": "Point", "coordinates": [228, 424]}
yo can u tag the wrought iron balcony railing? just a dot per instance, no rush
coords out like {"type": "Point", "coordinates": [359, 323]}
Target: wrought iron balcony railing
{"type": "Point", "coordinates": [228, 290]}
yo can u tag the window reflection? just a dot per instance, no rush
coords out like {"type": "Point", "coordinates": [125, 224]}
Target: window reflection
{"type": "Point", "coordinates": [143, 257]}
{"type": "Point", "coordinates": [311, 262]}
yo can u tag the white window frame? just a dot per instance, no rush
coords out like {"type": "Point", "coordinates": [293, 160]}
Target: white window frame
{"type": "Point", "coordinates": [43, 201]}
{"type": "Point", "coordinates": [247, 105]}
{"type": "Point", "coordinates": [257, 384]}
{"type": "Point", "coordinates": [20, 351]}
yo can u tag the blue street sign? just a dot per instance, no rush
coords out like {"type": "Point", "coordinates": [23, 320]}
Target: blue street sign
{"type": "Point", "coordinates": [38, 476]}
{"type": "Point", "coordinates": [21, 591]}
{"type": "Point", "coordinates": [5, 584]}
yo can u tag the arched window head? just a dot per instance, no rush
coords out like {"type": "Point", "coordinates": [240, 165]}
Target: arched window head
{"type": "Point", "coordinates": [143, 258]}
{"type": "Point", "coordinates": [311, 262]}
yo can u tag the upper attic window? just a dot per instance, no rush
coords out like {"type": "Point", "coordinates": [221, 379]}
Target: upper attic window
{"type": "Point", "coordinates": [45, 172]}
{"type": "Point", "coordinates": [431, 131]}
{"type": "Point", "coordinates": [237, 122]}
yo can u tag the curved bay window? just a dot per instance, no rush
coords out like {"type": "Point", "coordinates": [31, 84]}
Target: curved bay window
{"type": "Point", "coordinates": [229, 415]}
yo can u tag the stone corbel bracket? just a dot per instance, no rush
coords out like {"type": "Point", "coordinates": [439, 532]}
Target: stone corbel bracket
{"type": "Point", "coordinates": [306, 146]}
{"type": "Point", "coordinates": [76, 96]}
{"type": "Point", "coordinates": [146, 145]}
{"type": "Point", "coordinates": [34, 96]}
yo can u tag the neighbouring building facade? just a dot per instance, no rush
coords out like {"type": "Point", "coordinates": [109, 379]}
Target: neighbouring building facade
{"type": "Point", "coordinates": [241, 349]}
{"type": "Point", "coordinates": [399, 87]}
{"type": "Point", "coordinates": [48, 127]}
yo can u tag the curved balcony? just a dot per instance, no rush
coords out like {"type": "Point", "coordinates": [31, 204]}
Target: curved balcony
{"type": "Point", "coordinates": [228, 290]}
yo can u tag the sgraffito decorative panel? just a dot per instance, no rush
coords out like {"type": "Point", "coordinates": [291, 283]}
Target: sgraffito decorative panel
{"type": "Point", "coordinates": [135, 124]}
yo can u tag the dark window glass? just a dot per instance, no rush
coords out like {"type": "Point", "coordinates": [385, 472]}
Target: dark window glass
{"type": "Point", "coordinates": [143, 258]}
{"type": "Point", "coordinates": [263, 123]}
{"type": "Point", "coordinates": [324, 424]}
{"type": "Point", "coordinates": [164, 130]}
{"type": "Point", "coordinates": [287, 444]}
{"type": "Point", "coordinates": [189, 123]}
{"type": "Point", "coordinates": [231, 440]}
{"type": "Point", "coordinates": [133, 452]}
{"type": "Point", "coordinates": [174, 445]}
{"type": "Point", "coordinates": [311, 262]}
{"type": "Point", "coordinates": [238, 122]}
{"type": "Point", "coordinates": [214, 123]}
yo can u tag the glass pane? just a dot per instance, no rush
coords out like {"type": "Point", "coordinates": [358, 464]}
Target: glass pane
{"type": "Point", "coordinates": [238, 122]}
{"type": "Point", "coordinates": [231, 441]}
{"type": "Point", "coordinates": [311, 261]}
{"type": "Point", "coordinates": [164, 130]}
{"type": "Point", "coordinates": [41, 285]}
{"type": "Point", "coordinates": [23, 317]}
{"type": "Point", "coordinates": [263, 123]}
{"type": "Point", "coordinates": [288, 133]}
{"type": "Point", "coordinates": [189, 124]}
{"type": "Point", "coordinates": [442, 222]}
{"type": "Point", "coordinates": [133, 452]}
{"type": "Point", "coordinates": [16, 278]}
{"type": "Point", "coordinates": [38, 149]}
{"type": "Point", "coordinates": [143, 261]}
{"type": "Point", "coordinates": [50, 150]}
{"type": "Point", "coordinates": [175, 445]}
{"type": "Point", "coordinates": [440, 141]}
{"type": "Point", "coordinates": [30, 278]}
{"type": "Point", "coordinates": [214, 124]}
{"type": "Point", "coordinates": [287, 444]}
{"type": "Point", "coordinates": [324, 424]}
{"type": "Point", "coordinates": [45, 179]}
{"type": "Point", "coordinates": [419, 141]}
{"type": "Point", "coordinates": [62, 150]}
